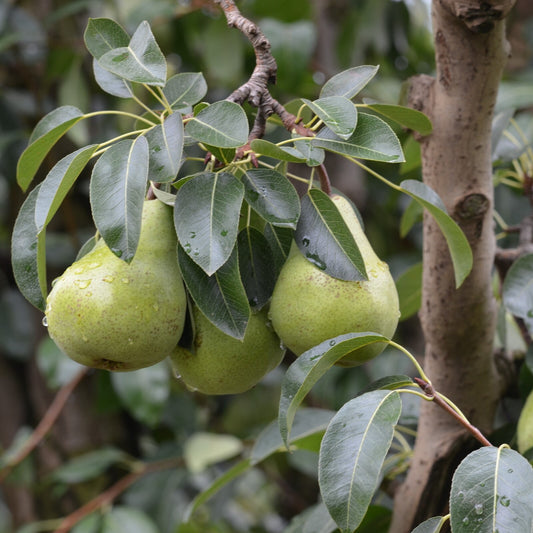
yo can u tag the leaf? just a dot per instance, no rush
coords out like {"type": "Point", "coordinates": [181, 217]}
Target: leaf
{"type": "Point", "coordinates": [185, 89]}
{"type": "Point", "coordinates": [280, 241]}
{"type": "Point", "coordinates": [266, 148]}
{"type": "Point", "coordinates": [373, 139]}
{"type": "Point", "coordinates": [404, 116]}
{"type": "Point", "coordinates": [54, 365]}
{"type": "Point", "coordinates": [165, 147]}
{"type": "Point", "coordinates": [255, 265]}
{"type": "Point", "coordinates": [222, 124]}
{"type": "Point", "coordinates": [518, 290]}
{"type": "Point", "coordinates": [228, 476]}
{"type": "Point", "coordinates": [432, 525]}
{"type": "Point", "coordinates": [205, 449]}
{"type": "Point", "coordinates": [309, 367]}
{"type": "Point", "coordinates": [206, 216]}
{"type": "Point", "coordinates": [89, 465]}
{"type": "Point", "coordinates": [337, 112]}
{"type": "Point", "coordinates": [349, 82]}
{"type": "Point", "coordinates": [325, 240]}
{"type": "Point", "coordinates": [140, 61]}
{"type": "Point", "coordinates": [117, 191]}
{"type": "Point", "coordinates": [352, 453]}
{"type": "Point", "coordinates": [144, 392]}
{"type": "Point", "coordinates": [409, 287]}
{"type": "Point", "coordinates": [220, 297]}
{"type": "Point", "coordinates": [47, 132]}
{"type": "Point", "coordinates": [460, 250]}
{"type": "Point", "coordinates": [272, 196]}
{"type": "Point", "coordinates": [122, 519]}
{"type": "Point", "coordinates": [58, 183]}
{"type": "Point", "coordinates": [388, 383]}
{"type": "Point", "coordinates": [308, 421]}
{"type": "Point", "coordinates": [111, 83]}
{"type": "Point", "coordinates": [313, 156]}
{"type": "Point", "coordinates": [28, 254]}
{"type": "Point", "coordinates": [102, 35]}
{"type": "Point", "coordinates": [413, 213]}
{"type": "Point", "coordinates": [491, 491]}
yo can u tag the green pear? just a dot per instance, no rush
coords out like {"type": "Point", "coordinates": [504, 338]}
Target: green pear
{"type": "Point", "coordinates": [524, 429]}
{"type": "Point", "coordinates": [221, 364]}
{"type": "Point", "coordinates": [308, 306]}
{"type": "Point", "coordinates": [105, 313]}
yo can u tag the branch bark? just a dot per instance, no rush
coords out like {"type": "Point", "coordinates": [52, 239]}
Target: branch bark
{"type": "Point", "coordinates": [458, 324]}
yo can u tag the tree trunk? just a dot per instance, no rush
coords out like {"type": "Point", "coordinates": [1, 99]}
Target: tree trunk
{"type": "Point", "coordinates": [458, 324]}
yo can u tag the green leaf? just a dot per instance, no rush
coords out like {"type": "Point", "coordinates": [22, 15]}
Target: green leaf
{"type": "Point", "coordinates": [460, 250]}
{"type": "Point", "coordinates": [352, 453]}
{"type": "Point", "coordinates": [337, 112]}
{"type": "Point", "coordinates": [266, 148]}
{"type": "Point", "coordinates": [140, 61]}
{"type": "Point", "coordinates": [491, 491]}
{"type": "Point", "coordinates": [313, 156]}
{"type": "Point", "coordinates": [102, 35]}
{"type": "Point", "coordinates": [432, 525]}
{"type": "Point", "coordinates": [309, 367]}
{"type": "Point", "coordinates": [205, 449]}
{"type": "Point", "coordinates": [90, 524]}
{"type": "Point", "coordinates": [165, 147]}
{"type": "Point", "coordinates": [144, 392]}
{"type": "Point", "coordinates": [222, 124]}
{"type": "Point", "coordinates": [349, 82]}
{"type": "Point", "coordinates": [111, 83]}
{"type": "Point", "coordinates": [404, 116]}
{"type": "Point", "coordinates": [280, 240]}
{"type": "Point", "coordinates": [325, 240]}
{"type": "Point", "coordinates": [307, 421]}
{"type": "Point", "coordinates": [28, 254]}
{"type": "Point", "coordinates": [255, 264]}
{"type": "Point", "coordinates": [185, 89]}
{"type": "Point", "coordinates": [388, 383]}
{"type": "Point", "coordinates": [121, 519]}
{"type": "Point", "coordinates": [206, 216]}
{"type": "Point", "coordinates": [220, 297]}
{"type": "Point", "coordinates": [315, 519]}
{"type": "Point", "coordinates": [89, 465]}
{"type": "Point", "coordinates": [518, 290]}
{"type": "Point", "coordinates": [228, 476]}
{"type": "Point", "coordinates": [409, 287]}
{"type": "Point", "coordinates": [58, 183]}
{"type": "Point", "coordinates": [54, 365]}
{"type": "Point", "coordinates": [117, 191]}
{"type": "Point", "coordinates": [47, 132]}
{"type": "Point", "coordinates": [272, 196]}
{"type": "Point", "coordinates": [373, 139]}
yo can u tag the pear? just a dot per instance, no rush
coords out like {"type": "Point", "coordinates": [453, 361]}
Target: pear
{"type": "Point", "coordinates": [221, 364]}
{"type": "Point", "coordinates": [105, 313]}
{"type": "Point", "coordinates": [524, 429]}
{"type": "Point", "coordinates": [308, 306]}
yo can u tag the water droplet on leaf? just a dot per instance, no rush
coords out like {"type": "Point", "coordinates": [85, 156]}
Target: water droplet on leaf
{"type": "Point", "coordinates": [332, 342]}
{"type": "Point", "coordinates": [505, 501]}
{"type": "Point", "coordinates": [224, 232]}
{"type": "Point", "coordinates": [313, 258]}
{"type": "Point", "coordinates": [117, 252]}
{"type": "Point", "coordinates": [305, 241]}
{"type": "Point", "coordinates": [478, 508]}
{"type": "Point", "coordinates": [45, 321]}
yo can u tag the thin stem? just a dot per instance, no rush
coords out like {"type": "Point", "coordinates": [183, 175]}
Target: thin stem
{"type": "Point", "coordinates": [452, 409]}
{"type": "Point", "coordinates": [45, 424]}
{"type": "Point", "coordinates": [375, 174]}
{"type": "Point", "coordinates": [325, 183]}
{"type": "Point", "coordinates": [155, 95]}
{"type": "Point", "coordinates": [105, 145]}
{"type": "Point", "coordinates": [416, 364]}
{"type": "Point", "coordinates": [289, 174]}
{"type": "Point", "coordinates": [123, 113]}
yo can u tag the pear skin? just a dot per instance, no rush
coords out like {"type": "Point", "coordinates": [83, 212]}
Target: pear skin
{"type": "Point", "coordinates": [108, 314]}
{"type": "Point", "coordinates": [221, 364]}
{"type": "Point", "coordinates": [524, 429]}
{"type": "Point", "coordinates": [308, 306]}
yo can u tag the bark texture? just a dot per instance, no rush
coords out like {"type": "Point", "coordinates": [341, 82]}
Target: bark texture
{"type": "Point", "coordinates": [458, 325]}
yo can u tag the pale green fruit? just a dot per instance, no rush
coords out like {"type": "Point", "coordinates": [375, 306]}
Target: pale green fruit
{"type": "Point", "coordinates": [524, 429]}
{"type": "Point", "coordinates": [220, 364]}
{"type": "Point", "coordinates": [308, 306]}
{"type": "Point", "coordinates": [105, 313]}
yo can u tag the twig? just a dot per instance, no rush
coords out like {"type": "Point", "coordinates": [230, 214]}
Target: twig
{"type": "Point", "coordinates": [108, 496]}
{"type": "Point", "coordinates": [325, 183]}
{"type": "Point", "coordinates": [430, 392]}
{"type": "Point", "coordinates": [45, 424]}
{"type": "Point", "coordinates": [255, 90]}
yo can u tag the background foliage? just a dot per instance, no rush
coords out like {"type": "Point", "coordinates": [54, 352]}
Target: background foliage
{"type": "Point", "coordinates": [112, 421]}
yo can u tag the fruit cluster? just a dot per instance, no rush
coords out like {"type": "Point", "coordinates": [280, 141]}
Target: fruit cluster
{"type": "Point", "coordinates": [109, 314]}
